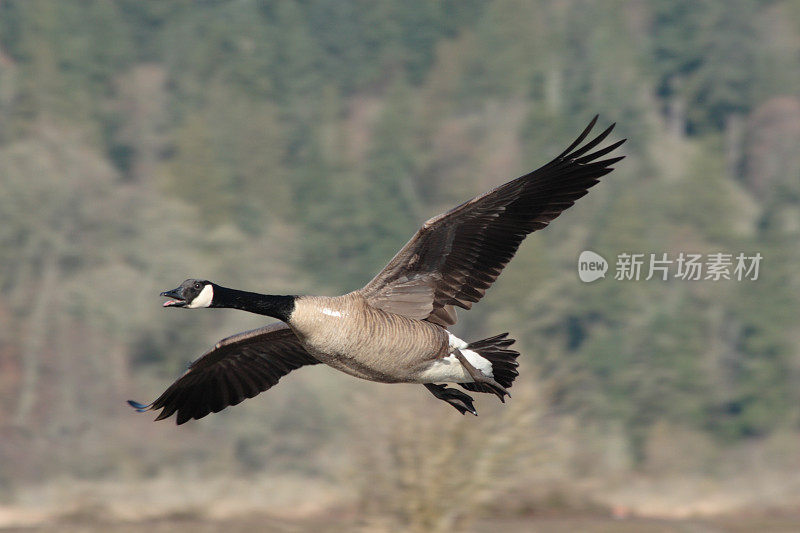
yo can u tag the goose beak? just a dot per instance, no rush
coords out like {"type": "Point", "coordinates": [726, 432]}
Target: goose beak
{"type": "Point", "coordinates": [175, 298]}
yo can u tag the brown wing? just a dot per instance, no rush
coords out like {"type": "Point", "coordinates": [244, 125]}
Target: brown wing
{"type": "Point", "coordinates": [238, 367]}
{"type": "Point", "coordinates": [456, 256]}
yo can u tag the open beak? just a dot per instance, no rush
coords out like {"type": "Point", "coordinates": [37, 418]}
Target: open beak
{"type": "Point", "coordinates": [175, 298]}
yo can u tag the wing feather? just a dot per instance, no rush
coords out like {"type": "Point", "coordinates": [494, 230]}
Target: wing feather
{"type": "Point", "coordinates": [236, 368]}
{"type": "Point", "coordinates": [456, 256]}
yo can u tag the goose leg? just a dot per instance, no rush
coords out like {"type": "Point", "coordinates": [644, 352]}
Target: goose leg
{"type": "Point", "coordinates": [480, 377]}
{"type": "Point", "coordinates": [456, 398]}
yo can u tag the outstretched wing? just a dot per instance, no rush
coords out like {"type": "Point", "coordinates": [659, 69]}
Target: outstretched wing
{"type": "Point", "coordinates": [456, 256]}
{"type": "Point", "coordinates": [238, 367]}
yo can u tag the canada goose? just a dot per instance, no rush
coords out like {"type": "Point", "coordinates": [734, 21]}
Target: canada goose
{"type": "Point", "coordinates": [394, 329]}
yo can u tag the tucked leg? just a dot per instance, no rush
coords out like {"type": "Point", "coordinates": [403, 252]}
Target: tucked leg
{"type": "Point", "coordinates": [480, 377]}
{"type": "Point", "coordinates": [456, 398]}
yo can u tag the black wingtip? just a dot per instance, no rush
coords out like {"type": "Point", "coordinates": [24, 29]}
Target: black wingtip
{"type": "Point", "coordinates": [599, 153]}
{"type": "Point", "coordinates": [591, 144]}
{"type": "Point", "coordinates": [140, 407]}
{"type": "Point", "coordinates": [610, 161]}
{"type": "Point", "coordinates": [580, 138]}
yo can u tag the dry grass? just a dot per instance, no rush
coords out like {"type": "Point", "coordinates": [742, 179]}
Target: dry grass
{"type": "Point", "coordinates": [170, 497]}
{"type": "Point", "coordinates": [401, 460]}
{"type": "Point", "coordinates": [420, 466]}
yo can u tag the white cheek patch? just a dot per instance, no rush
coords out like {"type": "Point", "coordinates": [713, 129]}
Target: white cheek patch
{"type": "Point", "coordinates": [330, 312]}
{"type": "Point", "coordinates": [204, 298]}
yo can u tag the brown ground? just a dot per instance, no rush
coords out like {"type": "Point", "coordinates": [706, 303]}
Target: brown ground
{"type": "Point", "coordinates": [334, 524]}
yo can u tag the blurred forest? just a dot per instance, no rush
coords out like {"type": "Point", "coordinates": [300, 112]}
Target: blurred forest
{"type": "Point", "coordinates": [293, 147]}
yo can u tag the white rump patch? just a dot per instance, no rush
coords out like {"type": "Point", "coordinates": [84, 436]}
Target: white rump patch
{"type": "Point", "coordinates": [330, 312]}
{"type": "Point", "coordinates": [455, 342]}
{"type": "Point", "coordinates": [204, 298]}
{"type": "Point", "coordinates": [450, 370]}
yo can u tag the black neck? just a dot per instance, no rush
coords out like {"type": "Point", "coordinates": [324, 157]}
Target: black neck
{"type": "Point", "coordinates": [279, 307]}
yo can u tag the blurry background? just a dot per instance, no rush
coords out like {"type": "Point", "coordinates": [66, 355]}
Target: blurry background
{"type": "Point", "coordinates": [292, 147]}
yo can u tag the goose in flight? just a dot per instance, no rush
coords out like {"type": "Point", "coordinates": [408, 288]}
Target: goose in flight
{"type": "Point", "coordinates": [394, 329]}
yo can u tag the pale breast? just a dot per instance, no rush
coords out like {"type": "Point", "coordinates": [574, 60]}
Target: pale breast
{"type": "Point", "coordinates": [350, 335]}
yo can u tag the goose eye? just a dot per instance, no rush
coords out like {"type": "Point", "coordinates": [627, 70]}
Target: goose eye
{"type": "Point", "coordinates": [197, 286]}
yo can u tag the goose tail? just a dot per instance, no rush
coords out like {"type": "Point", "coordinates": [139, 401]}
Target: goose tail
{"type": "Point", "coordinates": [504, 361]}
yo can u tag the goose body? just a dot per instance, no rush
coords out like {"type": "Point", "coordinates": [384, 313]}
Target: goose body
{"type": "Point", "coordinates": [394, 329]}
{"type": "Point", "coordinates": [350, 335]}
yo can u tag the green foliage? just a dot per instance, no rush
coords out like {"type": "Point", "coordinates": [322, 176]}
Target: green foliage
{"type": "Point", "coordinates": [704, 54]}
{"type": "Point", "coordinates": [295, 146]}
{"type": "Point", "coordinates": [227, 161]}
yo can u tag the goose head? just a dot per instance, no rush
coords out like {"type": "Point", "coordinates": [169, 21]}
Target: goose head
{"type": "Point", "coordinates": [191, 294]}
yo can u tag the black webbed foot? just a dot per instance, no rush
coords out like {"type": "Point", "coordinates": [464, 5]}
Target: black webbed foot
{"type": "Point", "coordinates": [461, 401]}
